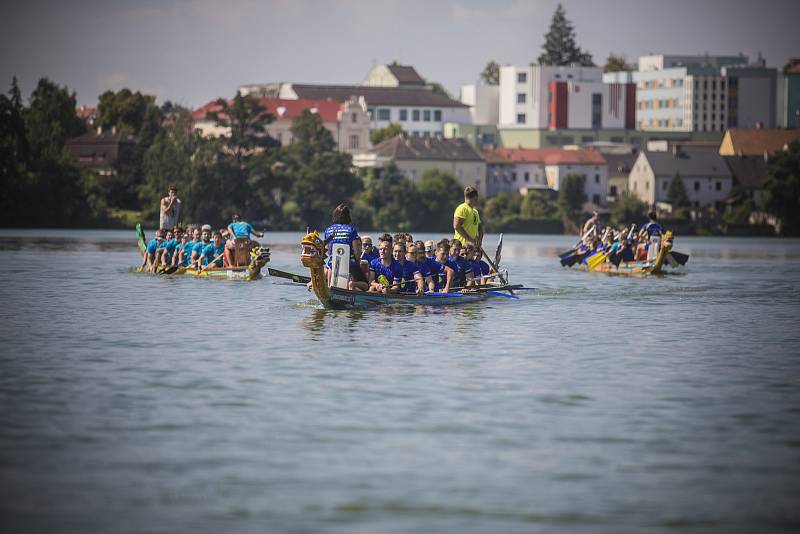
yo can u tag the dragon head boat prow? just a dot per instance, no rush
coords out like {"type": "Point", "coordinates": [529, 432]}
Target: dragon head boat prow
{"type": "Point", "coordinates": [313, 257]}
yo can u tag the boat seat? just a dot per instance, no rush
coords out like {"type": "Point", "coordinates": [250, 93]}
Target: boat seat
{"type": "Point", "coordinates": [241, 252]}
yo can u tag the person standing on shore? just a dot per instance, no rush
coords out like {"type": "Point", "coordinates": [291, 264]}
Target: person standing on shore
{"type": "Point", "coordinates": [170, 212]}
{"type": "Point", "coordinates": [466, 220]}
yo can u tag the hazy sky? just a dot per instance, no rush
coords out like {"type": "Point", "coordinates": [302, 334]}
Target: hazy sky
{"type": "Point", "coordinates": [193, 51]}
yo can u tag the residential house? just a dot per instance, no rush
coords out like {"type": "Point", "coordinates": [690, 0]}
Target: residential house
{"type": "Point", "coordinates": [100, 151]}
{"type": "Point", "coordinates": [619, 168]}
{"type": "Point", "coordinates": [415, 155]}
{"type": "Point", "coordinates": [706, 177]}
{"type": "Point", "coordinates": [524, 169]}
{"type": "Point", "coordinates": [394, 75]}
{"type": "Point", "coordinates": [348, 122]}
{"type": "Point", "coordinates": [747, 152]}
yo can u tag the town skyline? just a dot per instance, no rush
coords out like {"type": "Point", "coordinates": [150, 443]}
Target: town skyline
{"type": "Point", "coordinates": [190, 52]}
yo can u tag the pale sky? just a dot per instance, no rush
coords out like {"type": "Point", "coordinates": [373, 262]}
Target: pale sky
{"type": "Point", "coordinates": [193, 51]}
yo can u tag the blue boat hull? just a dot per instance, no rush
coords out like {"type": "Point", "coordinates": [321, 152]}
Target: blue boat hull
{"type": "Point", "coordinates": [343, 299]}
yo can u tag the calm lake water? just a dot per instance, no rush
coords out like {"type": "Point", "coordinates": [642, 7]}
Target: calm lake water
{"type": "Point", "coordinates": [132, 403]}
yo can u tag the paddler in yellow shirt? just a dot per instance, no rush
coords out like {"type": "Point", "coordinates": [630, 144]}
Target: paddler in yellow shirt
{"type": "Point", "coordinates": [467, 221]}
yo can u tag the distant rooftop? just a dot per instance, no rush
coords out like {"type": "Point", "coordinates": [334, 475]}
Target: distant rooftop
{"type": "Point", "coordinates": [426, 148]}
{"type": "Point", "coordinates": [376, 96]}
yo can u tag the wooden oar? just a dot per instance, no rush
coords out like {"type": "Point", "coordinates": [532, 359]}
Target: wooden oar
{"type": "Point", "coordinates": [297, 278]}
{"type": "Point", "coordinates": [211, 263]}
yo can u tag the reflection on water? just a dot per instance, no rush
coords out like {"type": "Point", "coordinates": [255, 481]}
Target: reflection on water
{"type": "Point", "coordinates": [595, 403]}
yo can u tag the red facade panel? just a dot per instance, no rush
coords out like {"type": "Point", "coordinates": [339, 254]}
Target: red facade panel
{"type": "Point", "coordinates": [630, 106]}
{"type": "Point", "coordinates": [558, 104]}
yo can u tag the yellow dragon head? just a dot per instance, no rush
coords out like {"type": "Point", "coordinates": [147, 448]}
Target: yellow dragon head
{"type": "Point", "coordinates": [259, 256]}
{"type": "Point", "coordinates": [666, 241]}
{"type": "Point", "coordinates": [313, 254]}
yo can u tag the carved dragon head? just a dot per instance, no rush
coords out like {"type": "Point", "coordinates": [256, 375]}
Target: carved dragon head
{"type": "Point", "coordinates": [259, 256]}
{"type": "Point", "coordinates": [666, 241]}
{"type": "Point", "coordinates": [313, 254]}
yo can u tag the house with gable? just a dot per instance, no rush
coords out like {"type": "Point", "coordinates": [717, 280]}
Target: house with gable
{"type": "Point", "coordinates": [415, 155]}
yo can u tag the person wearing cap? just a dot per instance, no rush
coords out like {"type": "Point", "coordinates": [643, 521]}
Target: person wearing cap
{"type": "Point", "coordinates": [466, 220]}
{"type": "Point", "coordinates": [170, 209]}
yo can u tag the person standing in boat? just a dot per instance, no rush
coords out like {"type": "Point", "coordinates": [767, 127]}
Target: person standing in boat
{"type": "Point", "coordinates": [344, 233]}
{"type": "Point", "coordinates": [653, 231]}
{"type": "Point", "coordinates": [170, 212]}
{"type": "Point", "coordinates": [466, 220]}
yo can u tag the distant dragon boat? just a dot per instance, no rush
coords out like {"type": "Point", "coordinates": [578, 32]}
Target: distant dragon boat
{"type": "Point", "coordinates": [258, 258]}
{"type": "Point", "coordinates": [313, 257]}
{"type": "Point", "coordinates": [599, 261]}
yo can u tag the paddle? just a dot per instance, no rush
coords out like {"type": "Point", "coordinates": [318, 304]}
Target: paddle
{"type": "Point", "coordinates": [212, 262]}
{"type": "Point", "coordinates": [297, 278]}
{"type": "Point", "coordinates": [679, 257]}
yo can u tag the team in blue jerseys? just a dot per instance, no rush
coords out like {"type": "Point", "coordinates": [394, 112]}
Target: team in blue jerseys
{"type": "Point", "coordinates": [402, 265]}
{"type": "Point", "coordinates": [196, 248]}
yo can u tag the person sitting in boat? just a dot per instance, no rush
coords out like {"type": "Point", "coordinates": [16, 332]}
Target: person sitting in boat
{"type": "Point", "coordinates": [238, 234]}
{"type": "Point", "coordinates": [462, 270]}
{"type": "Point", "coordinates": [590, 222]}
{"type": "Point", "coordinates": [171, 241]}
{"type": "Point", "coordinates": [199, 247]}
{"type": "Point", "coordinates": [385, 273]}
{"type": "Point", "coordinates": [213, 252]}
{"type": "Point", "coordinates": [443, 278]}
{"type": "Point", "coordinates": [652, 230]}
{"type": "Point", "coordinates": [410, 277]}
{"type": "Point", "coordinates": [343, 232]}
{"type": "Point", "coordinates": [369, 252]}
{"type": "Point", "coordinates": [480, 269]}
{"type": "Point", "coordinates": [151, 252]}
{"type": "Point", "coordinates": [422, 265]}
{"type": "Point", "coordinates": [185, 256]}
{"type": "Point", "coordinates": [177, 259]}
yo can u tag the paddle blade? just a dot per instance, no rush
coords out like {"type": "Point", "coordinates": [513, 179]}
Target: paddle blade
{"type": "Point", "coordinates": [140, 239]}
{"type": "Point", "coordinates": [680, 257]}
{"type": "Point", "coordinates": [499, 250]}
{"type": "Point", "coordinates": [596, 260]}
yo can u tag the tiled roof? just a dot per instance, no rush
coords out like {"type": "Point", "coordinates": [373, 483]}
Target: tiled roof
{"type": "Point", "coordinates": [406, 74]}
{"type": "Point", "coordinates": [282, 109]}
{"type": "Point", "coordinates": [750, 171]}
{"type": "Point", "coordinates": [427, 148]}
{"type": "Point", "coordinates": [551, 156]}
{"type": "Point", "coordinates": [620, 164]}
{"type": "Point", "coordinates": [377, 96]}
{"type": "Point", "coordinates": [689, 161]}
{"type": "Point", "coordinates": [758, 141]}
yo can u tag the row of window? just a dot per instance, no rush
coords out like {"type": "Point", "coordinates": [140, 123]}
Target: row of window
{"type": "Point", "coordinates": [665, 185]}
{"type": "Point", "coordinates": [660, 84]}
{"type": "Point", "coordinates": [660, 123]}
{"type": "Point", "coordinates": [713, 85]}
{"type": "Point", "coordinates": [659, 103]}
{"type": "Point", "coordinates": [522, 77]}
{"type": "Point", "coordinates": [417, 115]}
{"type": "Point", "coordinates": [713, 106]}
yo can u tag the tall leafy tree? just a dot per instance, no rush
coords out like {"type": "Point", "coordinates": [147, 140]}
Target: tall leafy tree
{"type": "Point", "coordinates": [677, 196]}
{"type": "Point", "coordinates": [559, 46]}
{"type": "Point", "coordinates": [491, 73]}
{"type": "Point", "coordinates": [628, 210]}
{"type": "Point", "coordinates": [783, 188]}
{"type": "Point", "coordinates": [571, 196]}
{"type": "Point", "coordinates": [390, 199]}
{"type": "Point", "coordinates": [247, 120]}
{"type": "Point", "coordinates": [125, 110]}
{"type": "Point", "coordinates": [439, 193]}
{"type": "Point", "coordinates": [378, 135]}
{"type": "Point", "coordinates": [535, 206]}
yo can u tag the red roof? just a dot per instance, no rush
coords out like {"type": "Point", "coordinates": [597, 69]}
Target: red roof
{"type": "Point", "coordinates": [282, 109]}
{"type": "Point", "coordinates": [547, 156]}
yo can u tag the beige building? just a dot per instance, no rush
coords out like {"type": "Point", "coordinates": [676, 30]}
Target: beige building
{"type": "Point", "coordinates": [347, 121]}
{"type": "Point", "coordinates": [415, 155]}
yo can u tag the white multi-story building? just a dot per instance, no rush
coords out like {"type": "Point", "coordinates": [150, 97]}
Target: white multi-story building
{"type": "Point", "coordinates": [545, 97]}
{"type": "Point", "coordinates": [703, 93]}
{"type": "Point", "coordinates": [483, 101]}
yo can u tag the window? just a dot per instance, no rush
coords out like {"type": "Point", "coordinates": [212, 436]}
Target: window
{"type": "Point", "coordinates": [522, 77]}
{"type": "Point", "coordinates": [713, 85]}
{"type": "Point", "coordinates": [520, 118]}
{"type": "Point", "coordinates": [697, 186]}
{"type": "Point", "coordinates": [403, 114]}
{"type": "Point", "coordinates": [597, 178]}
{"type": "Point", "coordinates": [647, 186]}
{"type": "Point", "coordinates": [617, 139]}
{"type": "Point", "coordinates": [664, 185]}
{"type": "Point", "coordinates": [719, 186]}
{"type": "Point", "coordinates": [437, 115]}
{"type": "Point", "coordinates": [415, 133]}
{"type": "Point", "coordinates": [597, 111]}
{"type": "Point", "coordinates": [426, 115]}
{"type": "Point", "coordinates": [527, 177]}
{"type": "Point", "coordinates": [371, 112]}
{"type": "Point", "coordinates": [384, 114]}
{"type": "Point", "coordinates": [612, 190]}
{"type": "Point", "coordinates": [587, 139]}
{"type": "Point", "coordinates": [415, 115]}
{"type": "Point", "coordinates": [279, 137]}
{"type": "Point", "coordinates": [521, 98]}
{"type": "Point", "coordinates": [596, 198]}
{"type": "Point", "coordinates": [557, 76]}
{"type": "Point", "coordinates": [513, 176]}
{"type": "Point", "coordinates": [354, 118]}
{"type": "Point", "coordinates": [354, 142]}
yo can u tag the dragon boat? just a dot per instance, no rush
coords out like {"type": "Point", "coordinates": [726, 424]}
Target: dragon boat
{"type": "Point", "coordinates": [334, 297]}
{"type": "Point", "coordinates": [599, 261]}
{"type": "Point", "coordinates": [248, 268]}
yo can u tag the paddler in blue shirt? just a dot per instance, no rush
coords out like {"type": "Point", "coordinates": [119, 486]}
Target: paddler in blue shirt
{"type": "Point", "coordinates": [411, 278]}
{"type": "Point", "coordinates": [421, 261]}
{"type": "Point", "coordinates": [653, 231]}
{"type": "Point", "coordinates": [385, 273]}
{"type": "Point", "coordinates": [167, 248]}
{"type": "Point", "coordinates": [343, 232]}
{"type": "Point", "coordinates": [213, 252]}
{"type": "Point", "coordinates": [200, 246]}
{"type": "Point", "coordinates": [149, 260]}
{"type": "Point", "coordinates": [462, 270]}
{"type": "Point", "coordinates": [369, 253]}
{"type": "Point", "coordinates": [239, 229]}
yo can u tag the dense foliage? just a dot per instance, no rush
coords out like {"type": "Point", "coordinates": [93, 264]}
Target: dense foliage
{"type": "Point", "coordinates": [560, 48]}
{"type": "Point", "coordinates": [783, 189]}
{"type": "Point", "coordinates": [491, 73]}
{"type": "Point", "coordinates": [379, 135]}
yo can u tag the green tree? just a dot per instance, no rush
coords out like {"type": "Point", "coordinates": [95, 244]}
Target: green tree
{"type": "Point", "coordinates": [125, 110]}
{"type": "Point", "coordinates": [247, 120]}
{"type": "Point", "coordinates": [319, 175]}
{"type": "Point", "coordinates": [628, 210]}
{"type": "Point", "coordinates": [491, 73]}
{"type": "Point", "coordinates": [536, 206]}
{"type": "Point", "coordinates": [438, 88]}
{"type": "Point", "coordinates": [559, 46]}
{"type": "Point", "coordinates": [379, 135]}
{"type": "Point", "coordinates": [678, 198]}
{"type": "Point", "coordinates": [616, 63]}
{"type": "Point", "coordinates": [439, 194]}
{"type": "Point", "coordinates": [571, 197]}
{"type": "Point", "coordinates": [783, 189]}
{"type": "Point", "coordinates": [50, 120]}
{"type": "Point", "coordinates": [14, 157]}
{"type": "Point", "coordinates": [389, 199]}
{"type": "Point", "coordinates": [498, 207]}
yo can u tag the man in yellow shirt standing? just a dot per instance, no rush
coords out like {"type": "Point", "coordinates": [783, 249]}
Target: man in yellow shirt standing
{"type": "Point", "coordinates": [467, 221]}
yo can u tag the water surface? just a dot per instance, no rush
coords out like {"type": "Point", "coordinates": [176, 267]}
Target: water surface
{"type": "Point", "coordinates": [132, 403]}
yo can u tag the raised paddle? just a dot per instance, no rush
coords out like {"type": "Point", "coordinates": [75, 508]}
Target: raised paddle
{"type": "Point", "coordinates": [493, 265]}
